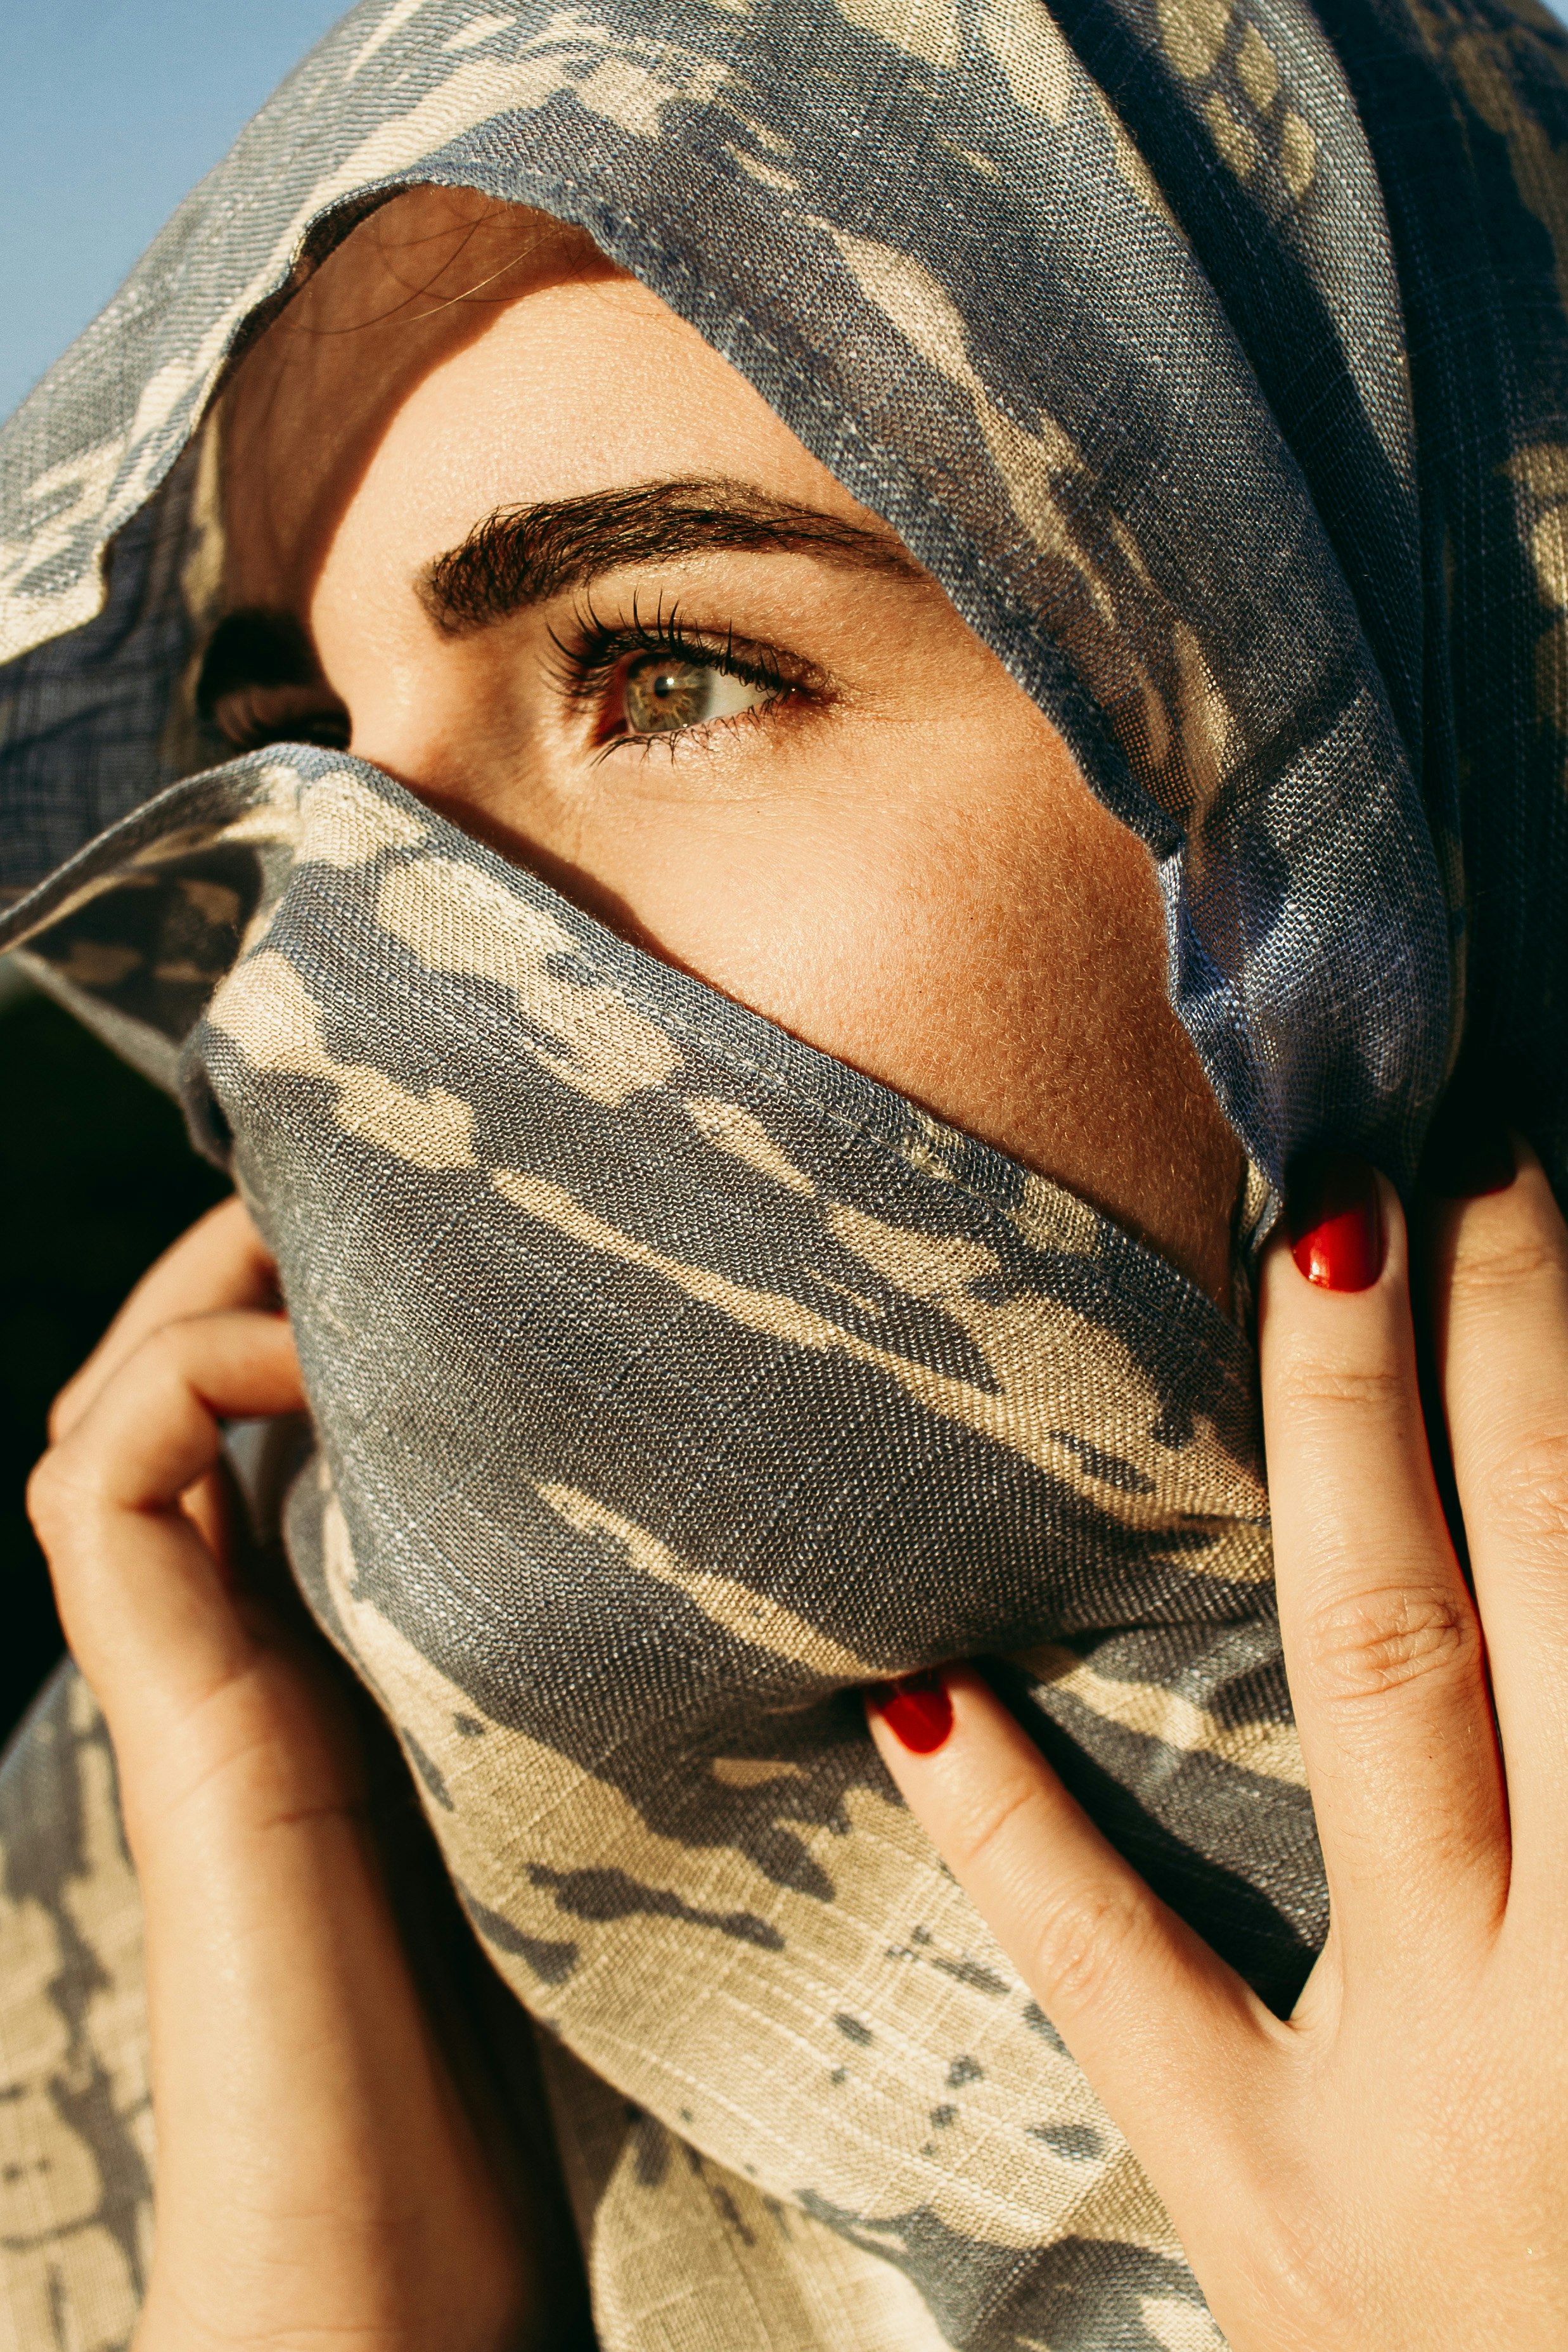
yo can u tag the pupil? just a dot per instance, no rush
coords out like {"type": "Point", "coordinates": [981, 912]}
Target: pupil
{"type": "Point", "coordinates": [663, 695]}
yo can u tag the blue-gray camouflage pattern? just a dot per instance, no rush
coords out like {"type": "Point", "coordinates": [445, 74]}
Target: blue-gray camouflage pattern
{"type": "Point", "coordinates": [669, 1378]}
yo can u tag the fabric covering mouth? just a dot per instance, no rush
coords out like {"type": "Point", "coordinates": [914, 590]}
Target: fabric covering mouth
{"type": "Point", "coordinates": [671, 1380]}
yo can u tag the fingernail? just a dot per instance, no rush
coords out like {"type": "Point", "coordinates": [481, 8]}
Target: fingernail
{"type": "Point", "coordinates": [1466, 1161]}
{"type": "Point", "coordinates": [1335, 1221]}
{"type": "Point", "coordinates": [916, 1709]}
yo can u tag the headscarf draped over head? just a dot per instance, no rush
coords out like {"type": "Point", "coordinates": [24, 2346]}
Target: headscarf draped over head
{"type": "Point", "coordinates": [669, 1380]}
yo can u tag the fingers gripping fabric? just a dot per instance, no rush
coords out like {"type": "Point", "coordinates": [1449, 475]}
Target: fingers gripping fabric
{"type": "Point", "coordinates": [672, 1381]}
{"type": "Point", "coordinates": [669, 1378]}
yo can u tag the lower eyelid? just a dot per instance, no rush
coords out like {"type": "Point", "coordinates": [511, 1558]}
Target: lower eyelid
{"type": "Point", "coordinates": [700, 729]}
{"type": "Point", "coordinates": [702, 732]}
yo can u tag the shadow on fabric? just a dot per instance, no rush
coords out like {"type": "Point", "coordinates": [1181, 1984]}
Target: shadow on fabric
{"type": "Point", "coordinates": [96, 1179]}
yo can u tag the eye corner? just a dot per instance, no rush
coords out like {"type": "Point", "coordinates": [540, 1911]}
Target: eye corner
{"type": "Point", "coordinates": [260, 683]}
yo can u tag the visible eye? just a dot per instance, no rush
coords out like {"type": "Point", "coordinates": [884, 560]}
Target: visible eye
{"type": "Point", "coordinates": [662, 694]}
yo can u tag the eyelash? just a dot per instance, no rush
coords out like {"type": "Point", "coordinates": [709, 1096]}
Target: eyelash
{"type": "Point", "coordinates": [588, 658]}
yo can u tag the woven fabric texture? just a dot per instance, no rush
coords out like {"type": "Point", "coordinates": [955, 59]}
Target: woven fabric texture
{"type": "Point", "coordinates": [669, 1378]}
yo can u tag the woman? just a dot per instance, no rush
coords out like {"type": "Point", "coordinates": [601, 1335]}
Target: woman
{"type": "Point", "coordinates": [673, 1377]}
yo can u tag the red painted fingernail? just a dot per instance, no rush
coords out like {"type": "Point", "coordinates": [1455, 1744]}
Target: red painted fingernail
{"type": "Point", "coordinates": [916, 1709]}
{"type": "Point", "coordinates": [1335, 1219]}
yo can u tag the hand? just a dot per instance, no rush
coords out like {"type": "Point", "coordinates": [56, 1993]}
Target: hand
{"type": "Point", "coordinates": [1385, 2169]}
{"type": "Point", "coordinates": [318, 2182]}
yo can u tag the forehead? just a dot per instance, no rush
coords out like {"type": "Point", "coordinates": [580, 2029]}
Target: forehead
{"type": "Point", "coordinates": [454, 355]}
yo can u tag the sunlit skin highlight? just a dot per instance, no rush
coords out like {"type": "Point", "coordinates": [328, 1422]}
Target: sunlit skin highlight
{"type": "Point", "coordinates": [841, 809]}
{"type": "Point", "coordinates": [889, 851]}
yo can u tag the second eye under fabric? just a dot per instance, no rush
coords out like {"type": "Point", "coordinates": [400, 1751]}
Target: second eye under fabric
{"type": "Point", "coordinates": [670, 1382]}
{"type": "Point", "coordinates": [672, 1379]}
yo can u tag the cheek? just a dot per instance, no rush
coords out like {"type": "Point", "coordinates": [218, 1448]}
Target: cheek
{"type": "Point", "coordinates": [983, 937]}
{"type": "Point", "coordinates": [823, 930]}
{"type": "Point", "coordinates": [954, 917]}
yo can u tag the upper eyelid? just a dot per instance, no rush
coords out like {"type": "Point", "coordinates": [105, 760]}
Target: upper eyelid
{"type": "Point", "coordinates": [587, 659]}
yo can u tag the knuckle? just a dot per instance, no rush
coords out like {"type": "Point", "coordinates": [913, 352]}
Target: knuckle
{"type": "Point", "coordinates": [62, 1410]}
{"type": "Point", "coordinates": [1307, 1385]}
{"type": "Point", "coordinates": [1371, 1643]}
{"type": "Point", "coordinates": [43, 1497]}
{"type": "Point", "coordinates": [1081, 1941]}
{"type": "Point", "coordinates": [1490, 1264]}
{"type": "Point", "coordinates": [163, 1350]}
{"type": "Point", "coordinates": [1530, 1483]}
{"type": "Point", "coordinates": [981, 1830]}
{"type": "Point", "coordinates": [158, 1370]}
{"type": "Point", "coordinates": [56, 1496]}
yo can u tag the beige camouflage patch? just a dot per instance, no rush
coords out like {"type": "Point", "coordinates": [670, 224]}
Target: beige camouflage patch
{"type": "Point", "coordinates": [1192, 34]}
{"type": "Point", "coordinates": [1269, 1748]}
{"type": "Point", "coordinates": [1540, 474]}
{"type": "Point", "coordinates": [666, 2005]}
{"type": "Point", "coordinates": [72, 494]}
{"type": "Point", "coordinates": [1178, 2326]}
{"type": "Point", "coordinates": [1255, 67]}
{"type": "Point", "coordinates": [74, 2245]}
{"type": "Point", "coordinates": [922, 28]}
{"type": "Point", "coordinates": [458, 918]}
{"type": "Point", "coordinates": [750, 1616]}
{"type": "Point", "coordinates": [264, 1007]}
{"type": "Point", "coordinates": [1056, 1373]}
{"type": "Point", "coordinates": [730, 1128]}
{"type": "Point", "coordinates": [1026, 43]}
{"type": "Point", "coordinates": [1298, 153]}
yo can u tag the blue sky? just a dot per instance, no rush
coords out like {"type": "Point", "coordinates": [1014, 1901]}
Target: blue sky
{"type": "Point", "coordinates": [109, 110]}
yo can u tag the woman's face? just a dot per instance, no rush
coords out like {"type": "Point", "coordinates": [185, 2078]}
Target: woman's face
{"type": "Point", "coordinates": [581, 590]}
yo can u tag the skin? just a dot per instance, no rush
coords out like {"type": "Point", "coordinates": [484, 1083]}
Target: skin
{"type": "Point", "coordinates": [903, 867]}
{"type": "Point", "coordinates": [319, 2184]}
{"type": "Point", "coordinates": [901, 863]}
{"type": "Point", "coordinates": [1384, 2169]}
{"type": "Point", "coordinates": [1381, 2170]}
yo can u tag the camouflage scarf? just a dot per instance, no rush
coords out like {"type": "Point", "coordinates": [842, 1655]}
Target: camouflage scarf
{"type": "Point", "coordinates": [671, 1380]}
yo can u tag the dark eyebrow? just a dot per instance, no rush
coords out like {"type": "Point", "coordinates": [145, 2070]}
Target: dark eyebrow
{"type": "Point", "coordinates": [522, 555]}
